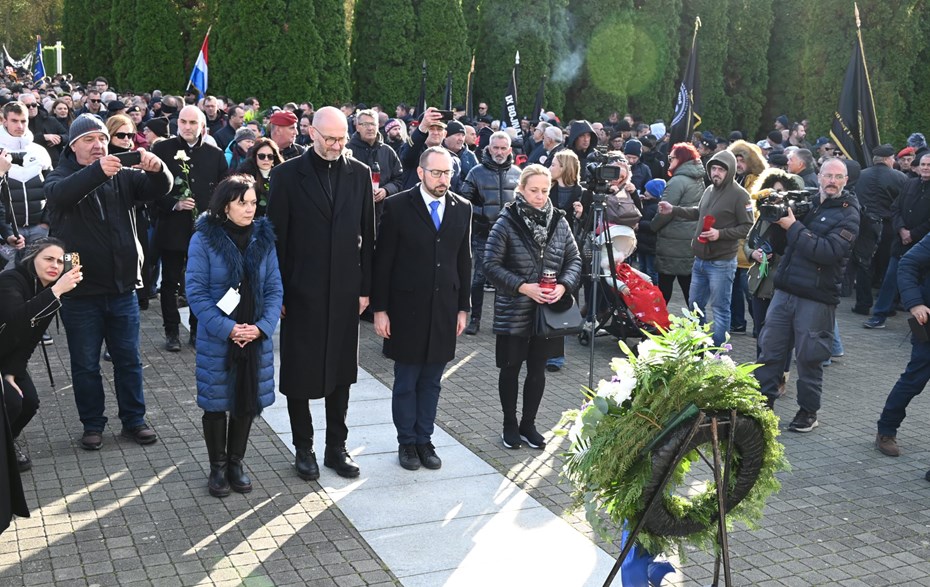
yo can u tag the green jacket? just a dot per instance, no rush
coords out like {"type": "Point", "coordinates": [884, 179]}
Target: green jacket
{"type": "Point", "coordinates": [673, 235]}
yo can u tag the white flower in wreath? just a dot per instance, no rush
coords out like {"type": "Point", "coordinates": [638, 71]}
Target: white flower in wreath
{"type": "Point", "coordinates": [574, 433]}
{"type": "Point", "coordinates": [650, 351]}
{"type": "Point", "coordinates": [181, 156]}
{"type": "Point", "coordinates": [622, 367]}
{"type": "Point", "coordinates": [619, 390]}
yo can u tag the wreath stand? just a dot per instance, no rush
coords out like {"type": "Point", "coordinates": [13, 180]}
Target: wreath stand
{"type": "Point", "coordinates": [721, 480]}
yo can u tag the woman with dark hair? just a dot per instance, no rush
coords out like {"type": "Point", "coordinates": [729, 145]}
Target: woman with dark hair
{"type": "Point", "coordinates": [260, 160]}
{"type": "Point", "coordinates": [62, 112]}
{"type": "Point", "coordinates": [29, 299]}
{"type": "Point", "coordinates": [531, 237]}
{"type": "Point", "coordinates": [674, 257]}
{"type": "Point", "coordinates": [234, 288]}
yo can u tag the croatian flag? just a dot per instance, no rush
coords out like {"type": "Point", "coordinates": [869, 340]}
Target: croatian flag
{"type": "Point", "coordinates": [38, 66]}
{"type": "Point", "coordinates": [199, 75]}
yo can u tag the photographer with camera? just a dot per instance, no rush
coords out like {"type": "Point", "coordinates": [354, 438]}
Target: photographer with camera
{"type": "Point", "coordinates": [807, 290]}
{"type": "Point", "coordinates": [24, 194]}
{"type": "Point", "coordinates": [724, 217]}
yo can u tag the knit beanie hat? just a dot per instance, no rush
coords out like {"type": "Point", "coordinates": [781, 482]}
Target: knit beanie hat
{"type": "Point", "coordinates": [655, 187]}
{"type": "Point", "coordinates": [244, 133]}
{"type": "Point", "coordinates": [84, 125]}
{"type": "Point", "coordinates": [633, 147]}
{"type": "Point", "coordinates": [917, 141]}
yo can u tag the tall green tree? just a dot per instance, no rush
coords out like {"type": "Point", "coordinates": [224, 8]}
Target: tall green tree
{"type": "Point", "coordinates": [919, 115]}
{"type": "Point", "coordinates": [157, 48]}
{"type": "Point", "coordinates": [333, 59]}
{"type": "Point", "coordinates": [441, 39]}
{"type": "Point", "coordinates": [383, 58]}
{"type": "Point", "coordinates": [790, 60]}
{"type": "Point", "coordinates": [526, 30]}
{"type": "Point", "coordinates": [87, 39]}
{"type": "Point", "coordinates": [75, 19]}
{"type": "Point", "coordinates": [604, 35]}
{"type": "Point", "coordinates": [470, 12]}
{"type": "Point", "coordinates": [655, 49]}
{"type": "Point", "coordinates": [560, 34]}
{"type": "Point", "coordinates": [746, 73]}
{"type": "Point", "coordinates": [713, 47]}
{"type": "Point", "coordinates": [298, 74]}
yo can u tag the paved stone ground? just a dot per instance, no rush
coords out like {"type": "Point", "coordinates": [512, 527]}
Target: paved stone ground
{"type": "Point", "coordinates": [129, 515]}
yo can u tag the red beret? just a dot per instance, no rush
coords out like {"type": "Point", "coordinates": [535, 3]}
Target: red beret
{"type": "Point", "coordinates": [906, 151]}
{"type": "Point", "coordinates": [283, 118]}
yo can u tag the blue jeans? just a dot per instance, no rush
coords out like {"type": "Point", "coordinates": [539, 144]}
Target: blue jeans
{"type": "Point", "coordinates": [884, 304]}
{"type": "Point", "coordinates": [477, 277]}
{"type": "Point", "coordinates": [740, 299]}
{"type": "Point", "coordinates": [415, 398]}
{"type": "Point", "coordinates": [647, 264]}
{"type": "Point", "coordinates": [837, 349]}
{"type": "Point", "coordinates": [712, 283]}
{"type": "Point", "coordinates": [909, 385]}
{"type": "Point", "coordinates": [89, 321]}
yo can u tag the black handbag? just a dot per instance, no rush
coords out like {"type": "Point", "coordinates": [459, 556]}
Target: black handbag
{"type": "Point", "coordinates": [562, 318]}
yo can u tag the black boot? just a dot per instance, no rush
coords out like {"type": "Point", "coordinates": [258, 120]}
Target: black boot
{"type": "Point", "coordinates": [192, 339]}
{"type": "Point", "coordinates": [338, 459]}
{"type": "Point", "coordinates": [172, 340]}
{"type": "Point", "coordinates": [306, 466]}
{"type": "Point", "coordinates": [214, 433]}
{"type": "Point", "coordinates": [235, 446]}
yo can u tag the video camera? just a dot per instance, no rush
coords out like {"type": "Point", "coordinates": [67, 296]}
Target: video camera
{"type": "Point", "coordinates": [775, 205]}
{"type": "Point", "coordinates": [601, 173]}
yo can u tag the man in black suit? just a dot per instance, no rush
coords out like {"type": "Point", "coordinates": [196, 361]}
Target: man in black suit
{"type": "Point", "coordinates": [420, 297]}
{"type": "Point", "coordinates": [322, 209]}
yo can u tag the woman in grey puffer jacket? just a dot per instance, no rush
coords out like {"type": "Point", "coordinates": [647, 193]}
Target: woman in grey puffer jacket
{"type": "Point", "coordinates": [530, 236]}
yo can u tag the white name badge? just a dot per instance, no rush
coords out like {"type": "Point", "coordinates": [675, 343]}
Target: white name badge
{"type": "Point", "coordinates": [229, 302]}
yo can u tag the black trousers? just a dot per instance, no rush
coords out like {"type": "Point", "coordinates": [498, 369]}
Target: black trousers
{"type": "Point", "coordinates": [533, 386]}
{"type": "Point", "coordinates": [870, 232]}
{"type": "Point", "coordinates": [20, 410]}
{"type": "Point", "coordinates": [173, 265]}
{"type": "Point", "coordinates": [667, 283]}
{"type": "Point", "coordinates": [337, 406]}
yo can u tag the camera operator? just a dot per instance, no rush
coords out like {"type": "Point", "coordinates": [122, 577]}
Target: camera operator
{"type": "Point", "coordinates": [6, 232]}
{"type": "Point", "coordinates": [807, 288]}
{"type": "Point", "coordinates": [24, 195]}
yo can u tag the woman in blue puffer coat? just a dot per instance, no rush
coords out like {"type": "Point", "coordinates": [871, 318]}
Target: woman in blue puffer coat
{"type": "Point", "coordinates": [234, 289]}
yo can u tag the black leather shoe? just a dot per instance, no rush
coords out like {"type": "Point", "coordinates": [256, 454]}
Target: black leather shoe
{"type": "Point", "coordinates": [172, 343]}
{"type": "Point", "coordinates": [473, 327]}
{"type": "Point", "coordinates": [338, 459]}
{"type": "Point", "coordinates": [306, 466]}
{"type": "Point", "coordinates": [408, 456]}
{"type": "Point", "coordinates": [428, 456]}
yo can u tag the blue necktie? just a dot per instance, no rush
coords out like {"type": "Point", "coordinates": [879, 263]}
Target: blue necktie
{"type": "Point", "coordinates": [434, 213]}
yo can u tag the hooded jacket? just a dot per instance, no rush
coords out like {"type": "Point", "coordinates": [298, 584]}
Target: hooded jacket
{"type": "Point", "coordinates": [578, 128]}
{"type": "Point", "coordinates": [731, 208]}
{"type": "Point", "coordinates": [26, 202]}
{"type": "Point", "coordinates": [95, 216]}
{"type": "Point", "coordinates": [673, 235]}
{"type": "Point", "coordinates": [489, 187]}
{"type": "Point", "coordinates": [214, 265]}
{"type": "Point", "coordinates": [388, 161]}
{"type": "Point", "coordinates": [753, 160]}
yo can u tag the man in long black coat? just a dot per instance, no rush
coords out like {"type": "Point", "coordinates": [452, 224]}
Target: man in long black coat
{"type": "Point", "coordinates": [206, 167]}
{"type": "Point", "coordinates": [420, 297]}
{"type": "Point", "coordinates": [321, 205]}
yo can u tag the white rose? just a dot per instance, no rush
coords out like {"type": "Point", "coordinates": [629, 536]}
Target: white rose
{"type": "Point", "coordinates": [181, 156]}
{"type": "Point", "coordinates": [618, 391]}
{"type": "Point", "coordinates": [650, 351]}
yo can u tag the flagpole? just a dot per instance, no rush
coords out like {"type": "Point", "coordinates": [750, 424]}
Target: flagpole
{"type": "Point", "coordinates": [205, 37]}
{"type": "Point", "coordinates": [469, 98]}
{"type": "Point", "coordinates": [865, 67]}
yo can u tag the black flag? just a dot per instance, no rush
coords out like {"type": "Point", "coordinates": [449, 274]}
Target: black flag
{"type": "Point", "coordinates": [447, 101]}
{"type": "Point", "coordinates": [536, 114]}
{"type": "Point", "coordinates": [509, 116]}
{"type": "Point", "coordinates": [688, 102]}
{"type": "Point", "coordinates": [421, 102]}
{"type": "Point", "coordinates": [855, 126]}
{"type": "Point", "coordinates": [469, 97]}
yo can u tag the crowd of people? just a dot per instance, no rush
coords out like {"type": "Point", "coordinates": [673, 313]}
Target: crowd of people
{"type": "Point", "coordinates": [317, 218]}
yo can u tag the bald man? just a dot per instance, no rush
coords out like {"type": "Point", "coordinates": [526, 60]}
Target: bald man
{"type": "Point", "coordinates": [321, 205]}
{"type": "Point", "coordinates": [206, 166]}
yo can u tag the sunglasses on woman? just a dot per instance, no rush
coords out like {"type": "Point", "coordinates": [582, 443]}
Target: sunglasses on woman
{"type": "Point", "coordinates": [124, 135]}
{"type": "Point", "coordinates": [265, 156]}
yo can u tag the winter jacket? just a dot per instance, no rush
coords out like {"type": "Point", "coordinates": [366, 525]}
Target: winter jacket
{"type": "Point", "coordinates": [912, 275]}
{"type": "Point", "coordinates": [26, 182]}
{"type": "Point", "coordinates": [26, 310]}
{"type": "Point", "coordinates": [512, 258]}
{"type": "Point", "coordinates": [214, 265]}
{"type": "Point", "coordinates": [877, 189]}
{"type": "Point", "coordinates": [467, 160]}
{"type": "Point", "coordinates": [673, 234]}
{"type": "Point", "coordinates": [645, 236]}
{"type": "Point", "coordinates": [392, 172]}
{"type": "Point", "coordinates": [639, 175]}
{"type": "Point", "coordinates": [578, 128]}
{"type": "Point", "coordinates": [911, 211]}
{"type": "Point", "coordinates": [207, 168]}
{"type": "Point", "coordinates": [488, 187]}
{"type": "Point", "coordinates": [44, 124]}
{"type": "Point", "coordinates": [752, 159]}
{"type": "Point", "coordinates": [95, 216]}
{"type": "Point", "coordinates": [729, 204]}
{"type": "Point", "coordinates": [817, 249]}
